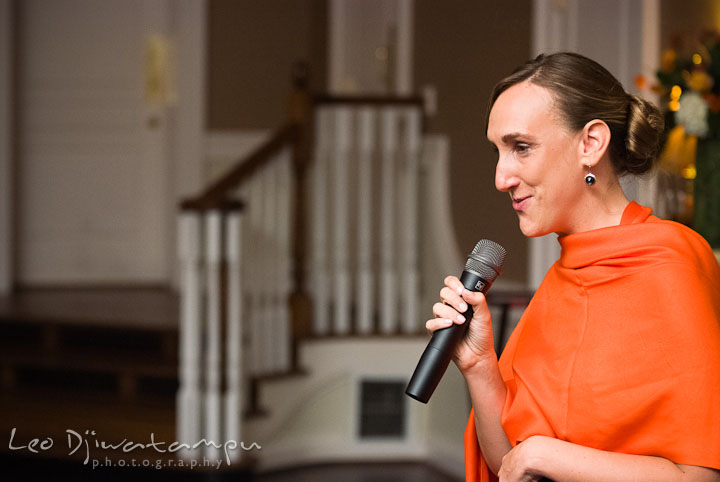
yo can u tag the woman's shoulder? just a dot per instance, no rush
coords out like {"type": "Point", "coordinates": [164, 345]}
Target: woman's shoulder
{"type": "Point", "coordinates": [678, 242]}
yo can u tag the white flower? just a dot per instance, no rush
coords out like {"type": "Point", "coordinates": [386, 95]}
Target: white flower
{"type": "Point", "coordinates": [693, 114]}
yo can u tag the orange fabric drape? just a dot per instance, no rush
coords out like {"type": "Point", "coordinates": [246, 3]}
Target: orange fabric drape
{"type": "Point", "coordinates": [620, 347]}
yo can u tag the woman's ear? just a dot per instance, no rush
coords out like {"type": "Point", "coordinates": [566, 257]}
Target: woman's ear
{"type": "Point", "coordinates": [594, 142]}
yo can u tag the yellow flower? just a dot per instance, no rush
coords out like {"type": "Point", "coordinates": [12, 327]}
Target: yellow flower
{"type": "Point", "coordinates": [679, 152]}
{"type": "Point", "coordinates": [699, 81]}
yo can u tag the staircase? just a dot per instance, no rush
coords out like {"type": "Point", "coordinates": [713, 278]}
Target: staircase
{"type": "Point", "coordinates": [313, 235]}
{"type": "Point", "coordinates": [300, 276]}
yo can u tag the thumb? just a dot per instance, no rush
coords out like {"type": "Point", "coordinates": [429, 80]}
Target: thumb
{"type": "Point", "coordinates": [477, 300]}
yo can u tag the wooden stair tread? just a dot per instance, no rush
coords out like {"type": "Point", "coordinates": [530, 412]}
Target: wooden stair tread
{"type": "Point", "coordinates": [91, 361]}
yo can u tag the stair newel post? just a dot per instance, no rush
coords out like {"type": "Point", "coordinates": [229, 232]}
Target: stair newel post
{"type": "Point", "coordinates": [253, 272]}
{"type": "Point", "coordinates": [268, 273]}
{"type": "Point", "coordinates": [213, 330]}
{"type": "Point", "coordinates": [301, 114]}
{"type": "Point", "coordinates": [189, 400]}
{"type": "Point", "coordinates": [234, 366]}
{"type": "Point", "coordinates": [284, 258]}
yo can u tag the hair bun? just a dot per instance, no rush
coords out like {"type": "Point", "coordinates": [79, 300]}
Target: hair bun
{"type": "Point", "coordinates": [644, 130]}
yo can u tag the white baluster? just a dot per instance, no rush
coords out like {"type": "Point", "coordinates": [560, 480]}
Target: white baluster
{"type": "Point", "coordinates": [189, 414]}
{"type": "Point", "coordinates": [409, 225]}
{"type": "Point", "coordinates": [234, 354]}
{"type": "Point", "coordinates": [341, 198]}
{"type": "Point", "coordinates": [388, 278]}
{"type": "Point", "coordinates": [366, 146]}
{"type": "Point", "coordinates": [213, 241]}
{"type": "Point", "coordinates": [284, 256]}
{"type": "Point", "coordinates": [319, 285]}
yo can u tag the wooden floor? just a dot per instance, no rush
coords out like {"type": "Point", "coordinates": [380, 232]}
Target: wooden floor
{"type": "Point", "coordinates": [379, 472]}
{"type": "Point", "coordinates": [30, 470]}
{"type": "Point", "coordinates": [151, 308]}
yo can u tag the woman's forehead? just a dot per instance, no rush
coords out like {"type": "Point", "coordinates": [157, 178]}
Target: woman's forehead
{"type": "Point", "coordinates": [522, 108]}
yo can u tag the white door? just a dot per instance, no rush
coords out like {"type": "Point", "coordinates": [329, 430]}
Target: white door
{"type": "Point", "coordinates": [92, 149]}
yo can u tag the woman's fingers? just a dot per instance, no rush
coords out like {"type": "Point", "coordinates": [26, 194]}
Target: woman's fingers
{"type": "Point", "coordinates": [442, 310]}
{"type": "Point", "coordinates": [453, 282]}
{"type": "Point", "coordinates": [434, 324]}
{"type": "Point", "coordinates": [452, 298]}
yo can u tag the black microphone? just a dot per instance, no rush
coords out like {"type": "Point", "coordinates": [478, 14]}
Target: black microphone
{"type": "Point", "coordinates": [483, 266]}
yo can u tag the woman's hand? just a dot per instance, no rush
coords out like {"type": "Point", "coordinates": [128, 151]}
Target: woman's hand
{"type": "Point", "coordinates": [541, 458]}
{"type": "Point", "coordinates": [477, 347]}
{"type": "Point", "coordinates": [516, 465]}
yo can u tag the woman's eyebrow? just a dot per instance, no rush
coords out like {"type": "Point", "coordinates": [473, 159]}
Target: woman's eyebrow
{"type": "Point", "coordinates": [513, 136]}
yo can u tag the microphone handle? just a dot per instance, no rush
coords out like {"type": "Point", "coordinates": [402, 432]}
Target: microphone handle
{"type": "Point", "coordinates": [439, 351]}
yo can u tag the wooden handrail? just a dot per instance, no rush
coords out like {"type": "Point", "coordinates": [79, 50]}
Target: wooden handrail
{"type": "Point", "coordinates": [215, 195]}
{"type": "Point", "coordinates": [292, 133]}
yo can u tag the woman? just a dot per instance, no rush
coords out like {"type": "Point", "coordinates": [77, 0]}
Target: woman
{"type": "Point", "coordinates": [613, 372]}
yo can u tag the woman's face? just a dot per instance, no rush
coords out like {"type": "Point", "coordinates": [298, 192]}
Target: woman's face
{"type": "Point", "coordinates": [539, 162]}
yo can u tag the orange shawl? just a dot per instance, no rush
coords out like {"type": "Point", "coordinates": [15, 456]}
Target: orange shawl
{"type": "Point", "coordinates": [619, 348]}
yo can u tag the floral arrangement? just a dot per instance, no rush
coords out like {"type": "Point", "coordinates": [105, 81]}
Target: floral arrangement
{"type": "Point", "coordinates": [689, 81]}
{"type": "Point", "coordinates": [689, 84]}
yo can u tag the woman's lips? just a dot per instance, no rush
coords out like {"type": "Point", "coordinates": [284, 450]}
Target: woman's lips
{"type": "Point", "coordinates": [519, 203]}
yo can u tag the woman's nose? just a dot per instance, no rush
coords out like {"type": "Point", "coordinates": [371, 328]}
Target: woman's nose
{"type": "Point", "coordinates": [505, 177]}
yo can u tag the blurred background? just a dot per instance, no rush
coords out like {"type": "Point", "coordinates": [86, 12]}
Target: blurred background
{"type": "Point", "coordinates": [223, 223]}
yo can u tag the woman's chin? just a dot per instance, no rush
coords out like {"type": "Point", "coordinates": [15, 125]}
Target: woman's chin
{"type": "Point", "coordinates": [531, 230]}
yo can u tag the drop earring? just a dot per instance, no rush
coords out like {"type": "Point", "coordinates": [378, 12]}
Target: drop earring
{"type": "Point", "coordinates": [590, 177]}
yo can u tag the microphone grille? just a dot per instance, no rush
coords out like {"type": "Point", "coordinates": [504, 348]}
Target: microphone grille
{"type": "Point", "coordinates": [486, 259]}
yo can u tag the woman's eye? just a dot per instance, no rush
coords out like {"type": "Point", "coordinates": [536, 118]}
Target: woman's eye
{"type": "Point", "coordinates": [521, 147]}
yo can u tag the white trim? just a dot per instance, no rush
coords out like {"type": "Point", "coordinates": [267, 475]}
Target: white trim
{"type": "Point", "coordinates": [6, 164]}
